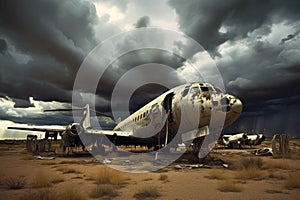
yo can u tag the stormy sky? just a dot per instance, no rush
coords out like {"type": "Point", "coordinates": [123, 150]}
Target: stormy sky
{"type": "Point", "coordinates": [255, 45]}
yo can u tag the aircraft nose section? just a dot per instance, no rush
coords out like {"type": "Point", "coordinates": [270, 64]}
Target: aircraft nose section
{"type": "Point", "coordinates": [233, 109]}
{"type": "Point", "coordinates": [237, 106]}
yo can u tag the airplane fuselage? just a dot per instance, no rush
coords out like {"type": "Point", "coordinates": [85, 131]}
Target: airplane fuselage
{"type": "Point", "coordinates": [159, 120]}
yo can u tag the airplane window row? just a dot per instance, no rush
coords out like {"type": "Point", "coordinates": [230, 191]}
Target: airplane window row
{"type": "Point", "coordinates": [141, 116]}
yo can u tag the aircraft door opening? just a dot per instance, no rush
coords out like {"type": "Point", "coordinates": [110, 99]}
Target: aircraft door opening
{"type": "Point", "coordinates": [168, 105]}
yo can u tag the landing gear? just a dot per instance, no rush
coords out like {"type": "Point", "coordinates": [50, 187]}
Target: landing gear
{"type": "Point", "coordinates": [195, 150]}
{"type": "Point", "coordinates": [98, 149]}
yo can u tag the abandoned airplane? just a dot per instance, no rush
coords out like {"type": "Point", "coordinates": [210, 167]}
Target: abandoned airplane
{"type": "Point", "coordinates": [157, 123]}
{"type": "Point", "coordinates": [241, 139]}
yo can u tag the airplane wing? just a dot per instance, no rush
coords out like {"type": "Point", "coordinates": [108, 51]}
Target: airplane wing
{"type": "Point", "coordinates": [108, 132]}
{"type": "Point", "coordinates": [52, 128]}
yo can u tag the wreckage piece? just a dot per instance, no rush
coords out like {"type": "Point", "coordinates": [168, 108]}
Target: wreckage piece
{"type": "Point", "coordinates": [263, 152]}
{"type": "Point", "coordinates": [238, 140]}
{"type": "Point", "coordinates": [36, 146]}
{"type": "Point", "coordinates": [283, 148]}
{"type": "Point", "coordinates": [44, 158]}
{"type": "Point", "coordinates": [191, 166]}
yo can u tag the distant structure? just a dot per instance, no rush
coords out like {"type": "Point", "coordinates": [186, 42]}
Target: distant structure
{"type": "Point", "coordinates": [283, 148]}
{"type": "Point", "coordinates": [34, 145]}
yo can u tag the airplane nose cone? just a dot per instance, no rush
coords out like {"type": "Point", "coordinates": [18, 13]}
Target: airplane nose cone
{"type": "Point", "coordinates": [237, 107]}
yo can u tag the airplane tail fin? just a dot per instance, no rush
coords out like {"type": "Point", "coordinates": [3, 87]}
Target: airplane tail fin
{"type": "Point", "coordinates": [86, 117]}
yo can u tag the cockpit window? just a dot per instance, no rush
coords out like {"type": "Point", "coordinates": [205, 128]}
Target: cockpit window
{"type": "Point", "coordinates": [204, 89]}
{"type": "Point", "coordinates": [195, 90]}
{"type": "Point", "coordinates": [207, 89]}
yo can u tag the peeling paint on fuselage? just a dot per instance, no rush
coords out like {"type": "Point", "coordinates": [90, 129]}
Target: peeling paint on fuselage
{"type": "Point", "coordinates": [198, 100]}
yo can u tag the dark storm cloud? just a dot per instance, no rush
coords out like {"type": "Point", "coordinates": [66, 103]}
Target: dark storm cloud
{"type": "Point", "coordinates": [3, 46]}
{"type": "Point", "coordinates": [289, 37]}
{"type": "Point", "coordinates": [55, 36]}
{"type": "Point", "coordinates": [262, 74]}
{"type": "Point", "coordinates": [42, 44]}
{"type": "Point", "coordinates": [202, 19]}
{"type": "Point", "coordinates": [143, 22]}
{"type": "Point", "coordinates": [133, 59]}
{"type": "Point", "coordinates": [256, 70]}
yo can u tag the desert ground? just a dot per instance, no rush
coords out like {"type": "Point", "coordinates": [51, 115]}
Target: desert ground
{"type": "Point", "coordinates": [22, 176]}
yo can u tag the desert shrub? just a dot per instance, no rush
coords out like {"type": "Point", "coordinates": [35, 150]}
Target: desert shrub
{"type": "Point", "coordinates": [147, 179]}
{"type": "Point", "coordinates": [56, 179]}
{"type": "Point", "coordinates": [149, 192]}
{"type": "Point", "coordinates": [277, 164]}
{"type": "Point", "coordinates": [251, 168]}
{"type": "Point", "coordinates": [70, 192]}
{"type": "Point", "coordinates": [229, 186]}
{"type": "Point", "coordinates": [104, 191]}
{"type": "Point", "coordinates": [276, 176]}
{"type": "Point", "coordinates": [41, 179]}
{"type": "Point", "coordinates": [250, 173]}
{"type": "Point", "coordinates": [292, 181]}
{"type": "Point", "coordinates": [216, 174]}
{"type": "Point", "coordinates": [252, 162]}
{"type": "Point", "coordinates": [163, 177]}
{"type": "Point", "coordinates": [47, 162]}
{"type": "Point", "coordinates": [274, 191]}
{"type": "Point", "coordinates": [16, 182]}
{"type": "Point", "coordinates": [68, 170]}
{"type": "Point", "coordinates": [109, 176]}
{"type": "Point", "coordinates": [44, 194]}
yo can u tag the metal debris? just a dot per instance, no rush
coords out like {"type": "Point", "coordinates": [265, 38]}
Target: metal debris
{"type": "Point", "coordinates": [44, 158]}
{"type": "Point", "coordinates": [194, 166]}
{"type": "Point", "coordinates": [225, 165]}
{"type": "Point", "coordinates": [106, 161]}
{"type": "Point", "coordinates": [263, 152]}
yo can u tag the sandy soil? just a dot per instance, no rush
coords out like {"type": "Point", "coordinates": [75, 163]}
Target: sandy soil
{"type": "Point", "coordinates": [178, 184]}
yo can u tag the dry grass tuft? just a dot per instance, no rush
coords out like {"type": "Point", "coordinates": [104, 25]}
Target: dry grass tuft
{"type": "Point", "coordinates": [252, 162]}
{"type": "Point", "coordinates": [163, 177]}
{"type": "Point", "coordinates": [69, 162]}
{"type": "Point", "coordinates": [70, 192]}
{"type": "Point", "coordinates": [56, 179]}
{"type": "Point", "coordinates": [104, 191]}
{"type": "Point", "coordinates": [273, 191]}
{"type": "Point", "coordinates": [277, 164]}
{"type": "Point", "coordinates": [44, 194]}
{"type": "Point", "coordinates": [68, 170]}
{"type": "Point", "coordinates": [276, 176]}
{"type": "Point", "coordinates": [149, 192]}
{"type": "Point", "coordinates": [41, 179]}
{"type": "Point", "coordinates": [47, 162]}
{"type": "Point", "coordinates": [294, 155]}
{"type": "Point", "coordinates": [17, 182]}
{"type": "Point", "coordinates": [229, 186]}
{"type": "Point", "coordinates": [147, 179]}
{"type": "Point", "coordinates": [292, 181]}
{"type": "Point", "coordinates": [216, 174]}
{"type": "Point", "coordinates": [251, 168]}
{"type": "Point", "coordinates": [250, 173]}
{"type": "Point", "coordinates": [109, 176]}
